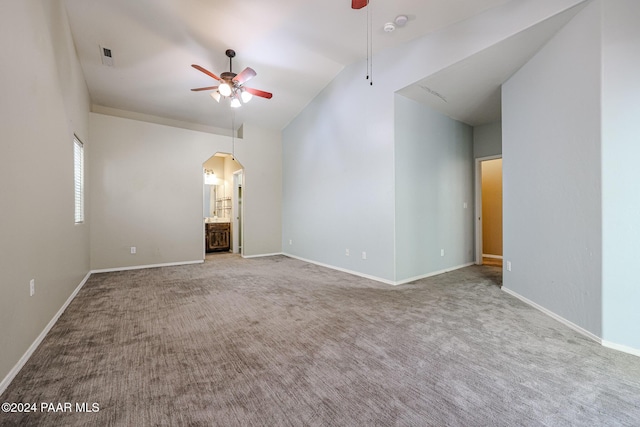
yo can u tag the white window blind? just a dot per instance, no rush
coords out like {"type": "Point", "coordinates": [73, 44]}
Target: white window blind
{"type": "Point", "coordinates": [78, 179]}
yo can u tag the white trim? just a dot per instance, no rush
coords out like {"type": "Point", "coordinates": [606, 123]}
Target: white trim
{"type": "Point", "coordinates": [555, 316]}
{"type": "Point", "coordinates": [491, 256]}
{"type": "Point", "coordinates": [237, 213]}
{"type": "Point", "coordinates": [433, 273]}
{"type": "Point", "coordinates": [262, 255]}
{"type": "Point", "coordinates": [140, 267]}
{"type": "Point", "coordinates": [608, 344]}
{"type": "Point", "coordinates": [379, 279]}
{"type": "Point", "coordinates": [477, 219]}
{"type": "Point", "coordinates": [344, 270]}
{"type": "Point", "coordinates": [620, 347]}
{"type": "Point", "coordinates": [25, 357]}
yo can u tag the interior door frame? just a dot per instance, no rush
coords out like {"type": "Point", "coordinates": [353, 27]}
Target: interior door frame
{"type": "Point", "coordinates": [478, 204]}
{"type": "Point", "coordinates": [237, 213]}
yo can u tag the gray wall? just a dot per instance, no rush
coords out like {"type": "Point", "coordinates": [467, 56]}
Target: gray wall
{"type": "Point", "coordinates": [552, 175]}
{"type": "Point", "coordinates": [620, 172]}
{"type": "Point", "coordinates": [338, 182]}
{"type": "Point", "coordinates": [434, 191]}
{"type": "Point", "coordinates": [487, 140]}
{"type": "Point", "coordinates": [338, 164]}
{"type": "Point", "coordinates": [44, 102]}
{"type": "Point", "coordinates": [147, 191]}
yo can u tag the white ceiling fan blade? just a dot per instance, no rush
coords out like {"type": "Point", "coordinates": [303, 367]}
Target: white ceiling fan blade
{"type": "Point", "coordinates": [246, 75]}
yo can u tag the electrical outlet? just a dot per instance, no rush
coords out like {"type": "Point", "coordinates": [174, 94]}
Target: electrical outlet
{"type": "Point", "coordinates": [32, 287]}
{"type": "Point", "coordinates": [441, 252]}
{"type": "Point", "coordinates": [346, 252]}
{"type": "Point", "coordinates": [290, 242]}
{"type": "Point", "coordinates": [464, 205]}
{"type": "Point", "coordinates": [508, 265]}
{"type": "Point", "coordinates": [364, 255]}
{"type": "Point", "coordinates": [133, 249]}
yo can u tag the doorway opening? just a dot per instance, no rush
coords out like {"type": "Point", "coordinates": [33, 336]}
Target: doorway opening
{"type": "Point", "coordinates": [489, 211]}
{"type": "Point", "coordinates": [236, 244]}
{"type": "Point", "coordinates": [222, 205]}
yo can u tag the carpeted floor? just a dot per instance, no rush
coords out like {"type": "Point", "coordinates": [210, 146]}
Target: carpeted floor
{"type": "Point", "coordinates": [278, 342]}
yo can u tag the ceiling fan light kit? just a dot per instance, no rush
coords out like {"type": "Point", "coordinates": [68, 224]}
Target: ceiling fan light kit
{"type": "Point", "coordinates": [224, 89]}
{"type": "Point", "coordinates": [246, 96]}
{"type": "Point", "coordinates": [232, 84]}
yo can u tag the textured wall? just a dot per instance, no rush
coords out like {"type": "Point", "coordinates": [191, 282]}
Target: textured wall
{"type": "Point", "coordinates": [338, 164]}
{"type": "Point", "coordinates": [552, 175]}
{"type": "Point", "coordinates": [44, 102]}
{"type": "Point", "coordinates": [620, 172]}
{"type": "Point", "coordinates": [487, 140]}
{"type": "Point", "coordinates": [147, 191]}
{"type": "Point", "coordinates": [434, 191]}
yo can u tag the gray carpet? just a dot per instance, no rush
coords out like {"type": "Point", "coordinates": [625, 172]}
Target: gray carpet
{"type": "Point", "coordinates": [279, 342]}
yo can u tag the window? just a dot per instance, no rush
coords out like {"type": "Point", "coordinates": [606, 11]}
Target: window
{"type": "Point", "coordinates": [78, 179]}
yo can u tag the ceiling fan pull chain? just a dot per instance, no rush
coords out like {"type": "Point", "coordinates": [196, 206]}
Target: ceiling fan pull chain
{"type": "Point", "coordinates": [370, 54]}
{"type": "Point", "coordinates": [367, 29]}
{"type": "Point", "coordinates": [233, 134]}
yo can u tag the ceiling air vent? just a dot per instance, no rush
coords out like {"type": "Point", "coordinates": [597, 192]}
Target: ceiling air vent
{"type": "Point", "coordinates": [105, 54]}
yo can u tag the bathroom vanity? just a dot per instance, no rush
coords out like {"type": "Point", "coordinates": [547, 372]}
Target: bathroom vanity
{"type": "Point", "coordinates": [217, 236]}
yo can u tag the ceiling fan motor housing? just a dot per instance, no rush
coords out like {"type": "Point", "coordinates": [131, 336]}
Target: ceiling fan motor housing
{"type": "Point", "coordinates": [227, 75]}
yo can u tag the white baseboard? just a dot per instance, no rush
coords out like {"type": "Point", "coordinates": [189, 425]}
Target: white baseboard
{"type": "Point", "coordinates": [262, 255]}
{"type": "Point", "coordinates": [379, 279]}
{"type": "Point", "coordinates": [623, 348]}
{"type": "Point", "coordinates": [492, 256]}
{"type": "Point", "coordinates": [557, 317]}
{"type": "Point", "coordinates": [433, 273]}
{"type": "Point", "coordinates": [140, 267]}
{"type": "Point", "coordinates": [344, 270]}
{"type": "Point", "coordinates": [608, 344]}
{"type": "Point", "coordinates": [25, 357]}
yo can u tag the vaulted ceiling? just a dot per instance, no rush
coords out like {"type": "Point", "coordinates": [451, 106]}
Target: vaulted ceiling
{"type": "Point", "coordinates": [296, 47]}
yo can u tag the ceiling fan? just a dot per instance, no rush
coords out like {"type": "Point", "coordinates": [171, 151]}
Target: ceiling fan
{"type": "Point", "coordinates": [359, 4]}
{"type": "Point", "coordinates": [232, 84]}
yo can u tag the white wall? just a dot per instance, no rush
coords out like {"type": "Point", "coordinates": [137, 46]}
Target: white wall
{"type": "Point", "coordinates": [338, 164]}
{"type": "Point", "coordinates": [147, 191]}
{"type": "Point", "coordinates": [338, 180]}
{"type": "Point", "coordinates": [487, 140]}
{"type": "Point", "coordinates": [44, 102]}
{"type": "Point", "coordinates": [552, 175]}
{"type": "Point", "coordinates": [620, 172]}
{"type": "Point", "coordinates": [433, 181]}
{"type": "Point", "coordinates": [260, 154]}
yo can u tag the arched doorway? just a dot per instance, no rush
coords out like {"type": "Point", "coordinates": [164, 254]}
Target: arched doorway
{"type": "Point", "coordinates": [222, 204]}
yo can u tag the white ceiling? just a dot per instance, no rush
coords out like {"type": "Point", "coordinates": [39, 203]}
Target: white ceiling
{"type": "Point", "coordinates": [469, 91]}
{"type": "Point", "coordinates": [296, 47]}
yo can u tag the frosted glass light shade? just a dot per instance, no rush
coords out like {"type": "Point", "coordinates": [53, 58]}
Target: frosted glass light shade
{"type": "Point", "coordinates": [224, 89]}
{"type": "Point", "coordinates": [246, 96]}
